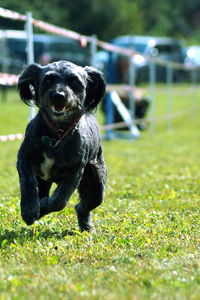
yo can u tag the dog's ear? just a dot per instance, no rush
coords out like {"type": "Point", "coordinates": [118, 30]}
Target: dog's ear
{"type": "Point", "coordinates": [28, 84]}
{"type": "Point", "coordinates": [96, 87]}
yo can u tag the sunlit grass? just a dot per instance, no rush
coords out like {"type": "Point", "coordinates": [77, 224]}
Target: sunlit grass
{"type": "Point", "coordinates": [147, 241]}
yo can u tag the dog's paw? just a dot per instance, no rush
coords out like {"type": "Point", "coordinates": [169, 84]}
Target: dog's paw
{"type": "Point", "coordinates": [86, 224]}
{"type": "Point", "coordinates": [87, 227]}
{"type": "Point", "coordinates": [44, 207]}
{"type": "Point", "coordinates": [84, 220]}
{"type": "Point", "coordinates": [30, 216]}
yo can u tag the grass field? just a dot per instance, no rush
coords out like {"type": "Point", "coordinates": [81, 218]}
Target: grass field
{"type": "Point", "coordinates": [147, 244]}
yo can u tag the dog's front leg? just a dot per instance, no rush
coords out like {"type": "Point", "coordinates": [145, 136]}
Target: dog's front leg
{"type": "Point", "coordinates": [60, 196]}
{"type": "Point", "coordinates": [30, 205]}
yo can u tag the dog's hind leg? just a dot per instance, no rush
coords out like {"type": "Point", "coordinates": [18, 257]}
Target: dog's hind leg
{"type": "Point", "coordinates": [91, 191]}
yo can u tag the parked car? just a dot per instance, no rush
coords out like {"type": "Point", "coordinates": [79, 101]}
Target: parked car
{"type": "Point", "coordinates": [192, 56]}
{"type": "Point", "coordinates": [165, 48]}
{"type": "Point", "coordinates": [192, 62]}
{"type": "Point", "coordinates": [47, 48]}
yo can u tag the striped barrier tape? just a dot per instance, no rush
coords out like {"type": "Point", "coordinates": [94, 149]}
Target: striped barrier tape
{"type": "Point", "coordinates": [118, 125]}
{"type": "Point", "coordinates": [85, 39]}
{"type": "Point", "coordinates": [179, 114]}
{"type": "Point", "coordinates": [62, 31]}
{"type": "Point", "coordinates": [11, 137]}
{"type": "Point", "coordinates": [8, 79]}
{"type": "Point", "coordinates": [116, 49]}
{"type": "Point", "coordinates": [122, 89]}
{"type": "Point", "coordinates": [6, 13]}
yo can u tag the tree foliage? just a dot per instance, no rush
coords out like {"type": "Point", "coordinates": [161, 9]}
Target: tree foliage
{"type": "Point", "coordinates": [110, 18]}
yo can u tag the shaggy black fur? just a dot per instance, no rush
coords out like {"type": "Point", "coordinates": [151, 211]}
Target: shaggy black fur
{"type": "Point", "coordinates": [62, 143]}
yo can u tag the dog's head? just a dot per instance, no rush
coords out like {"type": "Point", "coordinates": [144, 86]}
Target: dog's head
{"type": "Point", "coordinates": [62, 89]}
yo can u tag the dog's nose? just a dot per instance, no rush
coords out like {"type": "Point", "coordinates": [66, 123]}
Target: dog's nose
{"type": "Point", "coordinates": [58, 96]}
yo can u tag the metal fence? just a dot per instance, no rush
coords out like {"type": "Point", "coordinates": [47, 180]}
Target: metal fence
{"type": "Point", "coordinates": [128, 114]}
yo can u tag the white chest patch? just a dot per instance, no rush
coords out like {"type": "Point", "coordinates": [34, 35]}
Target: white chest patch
{"type": "Point", "coordinates": [46, 166]}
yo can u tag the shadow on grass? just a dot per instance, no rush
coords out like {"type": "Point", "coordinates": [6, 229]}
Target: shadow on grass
{"type": "Point", "coordinates": [29, 234]}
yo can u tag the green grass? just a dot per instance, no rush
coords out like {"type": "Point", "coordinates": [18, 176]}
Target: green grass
{"type": "Point", "coordinates": [148, 228]}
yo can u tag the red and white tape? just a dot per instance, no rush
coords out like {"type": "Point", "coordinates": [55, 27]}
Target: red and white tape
{"type": "Point", "coordinates": [116, 49]}
{"type": "Point", "coordinates": [65, 32]}
{"type": "Point", "coordinates": [85, 39]}
{"type": "Point", "coordinates": [61, 31]}
{"type": "Point", "coordinates": [8, 79]}
{"type": "Point", "coordinates": [20, 136]}
{"type": "Point", "coordinates": [11, 137]}
{"type": "Point", "coordinates": [6, 13]}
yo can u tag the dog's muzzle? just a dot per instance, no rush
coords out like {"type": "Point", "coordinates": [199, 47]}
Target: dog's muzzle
{"type": "Point", "coordinates": [59, 104]}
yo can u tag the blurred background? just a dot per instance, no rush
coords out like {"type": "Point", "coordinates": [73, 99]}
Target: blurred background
{"type": "Point", "coordinates": [110, 18]}
{"type": "Point", "coordinates": [163, 35]}
{"type": "Point", "coordinates": [107, 19]}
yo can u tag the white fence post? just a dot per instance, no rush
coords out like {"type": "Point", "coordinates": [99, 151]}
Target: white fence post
{"type": "Point", "coordinates": [30, 53]}
{"type": "Point", "coordinates": [169, 77]}
{"type": "Point", "coordinates": [5, 66]}
{"type": "Point", "coordinates": [132, 84]}
{"type": "Point", "coordinates": [132, 77]}
{"type": "Point", "coordinates": [194, 80]}
{"type": "Point", "coordinates": [93, 50]}
{"type": "Point", "coordinates": [152, 78]}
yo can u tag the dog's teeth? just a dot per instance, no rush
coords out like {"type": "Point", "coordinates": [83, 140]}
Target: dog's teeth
{"type": "Point", "coordinates": [58, 111]}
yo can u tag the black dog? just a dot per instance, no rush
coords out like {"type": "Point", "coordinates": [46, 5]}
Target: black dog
{"type": "Point", "coordinates": [62, 143]}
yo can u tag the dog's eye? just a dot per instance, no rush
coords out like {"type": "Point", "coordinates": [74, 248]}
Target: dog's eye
{"type": "Point", "coordinates": [49, 79]}
{"type": "Point", "coordinates": [74, 82]}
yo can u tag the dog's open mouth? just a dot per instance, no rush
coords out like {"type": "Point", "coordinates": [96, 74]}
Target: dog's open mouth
{"type": "Point", "coordinates": [60, 109]}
